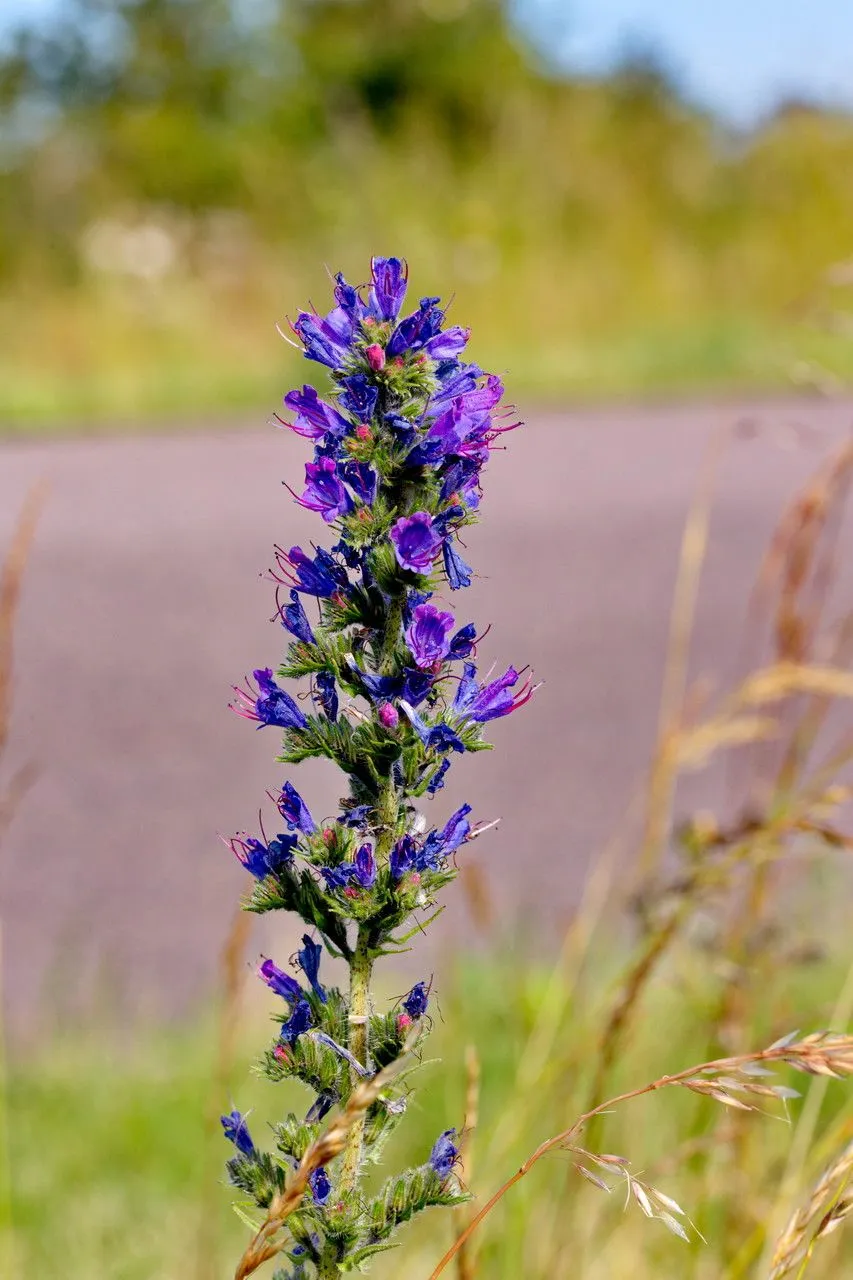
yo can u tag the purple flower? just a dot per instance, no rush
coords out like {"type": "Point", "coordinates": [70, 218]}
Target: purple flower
{"type": "Point", "coordinates": [324, 491]}
{"type": "Point", "coordinates": [458, 572]}
{"type": "Point", "coordinates": [270, 706]}
{"type": "Point", "coordinates": [356, 816]}
{"type": "Point", "coordinates": [437, 781]}
{"type": "Point", "coordinates": [462, 644]}
{"type": "Point", "coordinates": [489, 701]}
{"type": "Point", "coordinates": [402, 857]}
{"type": "Point", "coordinates": [362, 479]}
{"type": "Point", "coordinates": [439, 844]}
{"type": "Point", "coordinates": [294, 810]}
{"type": "Point", "coordinates": [280, 982]}
{"type": "Point", "coordinates": [388, 288]}
{"type": "Point", "coordinates": [237, 1131]}
{"type": "Point", "coordinates": [348, 299]}
{"type": "Point", "coordinates": [415, 541]}
{"type": "Point", "coordinates": [295, 620]}
{"type": "Point", "coordinates": [427, 635]}
{"type": "Point", "coordinates": [326, 694]}
{"type": "Point", "coordinates": [444, 1154]}
{"type": "Point", "coordinates": [322, 576]}
{"type": "Point", "coordinates": [337, 877]}
{"type": "Point", "coordinates": [309, 962]}
{"type": "Point", "coordinates": [314, 418]}
{"type": "Point", "coordinates": [417, 1000]}
{"type": "Point", "coordinates": [365, 866]}
{"type": "Point", "coordinates": [326, 339]}
{"type": "Point", "coordinates": [298, 1022]}
{"type": "Point", "coordinates": [417, 329]}
{"type": "Point", "coordinates": [263, 859]}
{"type": "Point", "coordinates": [448, 344]}
{"type": "Point", "coordinates": [321, 1187]}
{"type": "Point", "coordinates": [359, 396]}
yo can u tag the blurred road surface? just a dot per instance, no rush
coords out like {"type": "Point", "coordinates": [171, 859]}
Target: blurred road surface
{"type": "Point", "coordinates": [143, 603]}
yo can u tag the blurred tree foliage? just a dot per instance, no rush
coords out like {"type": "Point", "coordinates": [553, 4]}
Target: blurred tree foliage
{"type": "Point", "coordinates": [255, 136]}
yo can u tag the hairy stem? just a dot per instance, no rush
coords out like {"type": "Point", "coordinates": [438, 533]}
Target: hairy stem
{"type": "Point", "coordinates": [361, 967]}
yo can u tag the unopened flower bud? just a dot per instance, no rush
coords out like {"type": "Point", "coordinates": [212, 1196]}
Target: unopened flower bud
{"type": "Point", "coordinates": [375, 357]}
{"type": "Point", "coordinates": [362, 431]}
{"type": "Point", "coordinates": [388, 715]}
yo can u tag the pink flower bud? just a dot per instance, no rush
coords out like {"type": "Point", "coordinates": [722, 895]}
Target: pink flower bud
{"type": "Point", "coordinates": [388, 716]}
{"type": "Point", "coordinates": [281, 1054]}
{"type": "Point", "coordinates": [403, 1022]}
{"type": "Point", "coordinates": [375, 357]}
{"type": "Point", "coordinates": [362, 431]}
{"type": "Point", "coordinates": [328, 835]}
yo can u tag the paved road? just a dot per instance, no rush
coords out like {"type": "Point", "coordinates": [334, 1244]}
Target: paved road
{"type": "Point", "coordinates": [143, 603]}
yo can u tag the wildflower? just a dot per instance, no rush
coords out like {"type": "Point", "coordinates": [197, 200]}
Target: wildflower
{"type": "Point", "coordinates": [437, 780]}
{"type": "Point", "coordinates": [314, 418]}
{"type": "Point", "coordinates": [294, 810]}
{"type": "Point", "coordinates": [489, 701]}
{"type": "Point", "coordinates": [326, 694]}
{"type": "Point", "coordinates": [356, 816]}
{"type": "Point", "coordinates": [439, 844]}
{"type": "Point", "coordinates": [359, 396]}
{"type": "Point", "coordinates": [440, 736]}
{"type": "Point", "coordinates": [365, 866]}
{"type": "Point", "coordinates": [309, 963]}
{"type": "Point", "coordinates": [402, 857]}
{"type": "Point", "coordinates": [417, 1000]}
{"type": "Point", "coordinates": [237, 1131]}
{"type": "Point", "coordinates": [416, 330]}
{"type": "Point", "coordinates": [362, 479]}
{"type": "Point", "coordinates": [375, 356]}
{"type": "Point", "coordinates": [264, 859]}
{"type": "Point", "coordinates": [444, 1154]}
{"type": "Point", "coordinates": [280, 982]}
{"type": "Point", "coordinates": [337, 877]}
{"type": "Point", "coordinates": [427, 635]}
{"type": "Point", "coordinates": [326, 340]}
{"type": "Point", "coordinates": [459, 573]}
{"type": "Point", "coordinates": [415, 542]}
{"type": "Point", "coordinates": [298, 1022]}
{"type": "Point", "coordinates": [295, 620]}
{"type": "Point", "coordinates": [388, 288]}
{"type": "Point", "coordinates": [321, 1187]}
{"type": "Point", "coordinates": [271, 706]}
{"type": "Point", "coordinates": [462, 644]}
{"type": "Point", "coordinates": [324, 490]}
{"type": "Point", "coordinates": [318, 577]}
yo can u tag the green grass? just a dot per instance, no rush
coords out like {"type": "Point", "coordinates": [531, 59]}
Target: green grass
{"type": "Point", "coordinates": [117, 1168]}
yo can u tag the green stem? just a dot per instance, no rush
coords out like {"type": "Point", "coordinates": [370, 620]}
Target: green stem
{"type": "Point", "coordinates": [361, 967]}
{"type": "Point", "coordinates": [392, 635]}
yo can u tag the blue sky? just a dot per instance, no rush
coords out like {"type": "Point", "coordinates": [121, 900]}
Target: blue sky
{"type": "Point", "coordinates": [737, 56]}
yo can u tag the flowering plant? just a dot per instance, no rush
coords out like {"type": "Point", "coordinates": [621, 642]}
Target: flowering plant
{"type": "Point", "coordinates": [398, 453]}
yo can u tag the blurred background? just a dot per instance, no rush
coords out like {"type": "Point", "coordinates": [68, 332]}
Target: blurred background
{"type": "Point", "coordinates": [630, 197]}
{"type": "Point", "coordinates": [645, 212]}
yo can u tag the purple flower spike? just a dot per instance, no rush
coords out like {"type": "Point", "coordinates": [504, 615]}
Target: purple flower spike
{"type": "Point", "coordinates": [270, 706]}
{"type": "Point", "coordinates": [324, 491]}
{"type": "Point", "coordinates": [294, 810]}
{"type": "Point", "coordinates": [444, 1154]}
{"type": "Point", "coordinates": [427, 635]}
{"type": "Point", "coordinates": [388, 288]}
{"type": "Point", "coordinates": [416, 542]}
{"type": "Point", "coordinates": [280, 982]}
{"type": "Point", "coordinates": [237, 1131]}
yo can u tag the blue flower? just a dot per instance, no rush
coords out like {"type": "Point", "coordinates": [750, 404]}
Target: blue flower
{"type": "Point", "coordinates": [440, 736]}
{"type": "Point", "coordinates": [439, 844]}
{"type": "Point", "coordinates": [298, 1022]}
{"type": "Point", "coordinates": [417, 1000]}
{"type": "Point", "coordinates": [270, 706]}
{"type": "Point", "coordinates": [362, 479]}
{"type": "Point", "coordinates": [326, 339]}
{"type": "Point", "coordinates": [324, 491]}
{"type": "Point", "coordinates": [388, 288]}
{"type": "Point", "coordinates": [325, 693]}
{"type": "Point", "coordinates": [348, 299]}
{"type": "Point", "coordinates": [321, 1187]}
{"type": "Point", "coordinates": [359, 396]}
{"type": "Point", "coordinates": [337, 877]}
{"type": "Point", "coordinates": [309, 962]}
{"type": "Point", "coordinates": [294, 810]}
{"type": "Point", "coordinates": [437, 780]}
{"type": "Point", "coordinates": [237, 1131]}
{"type": "Point", "coordinates": [459, 573]}
{"type": "Point", "coordinates": [314, 418]}
{"type": "Point", "coordinates": [280, 982]}
{"type": "Point", "coordinates": [415, 541]}
{"type": "Point", "coordinates": [417, 329]}
{"type": "Point", "coordinates": [489, 702]}
{"type": "Point", "coordinates": [462, 644]}
{"type": "Point", "coordinates": [365, 866]}
{"type": "Point", "coordinates": [264, 859]}
{"type": "Point", "coordinates": [356, 816]}
{"type": "Point", "coordinates": [321, 576]}
{"type": "Point", "coordinates": [444, 1154]}
{"type": "Point", "coordinates": [427, 635]}
{"type": "Point", "coordinates": [295, 620]}
{"type": "Point", "coordinates": [402, 857]}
